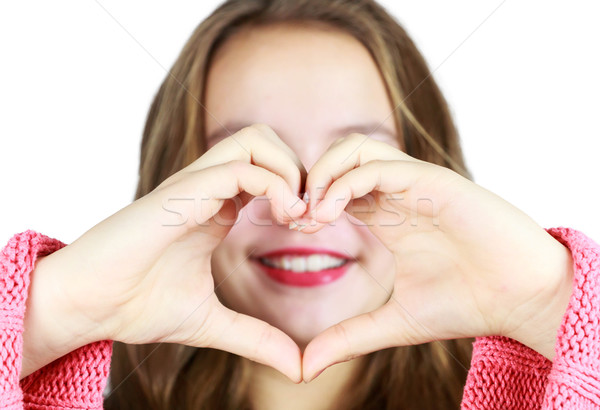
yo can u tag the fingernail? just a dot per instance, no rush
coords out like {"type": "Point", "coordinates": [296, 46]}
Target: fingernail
{"type": "Point", "coordinates": [305, 197]}
{"type": "Point", "coordinates": [292, 225]}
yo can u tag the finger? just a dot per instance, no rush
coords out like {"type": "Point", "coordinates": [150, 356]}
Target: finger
{"type": "Point", "coordinates": [376, 175]}
{"type": "Point", "coordinates": [257, 144]}
{"type": "Point", "coordinates": [211, 186]}
{"type": "Point", "coordinates": [255, 340]}
{"type": "Point", "coordinates": [268, 131]}
{"type": "Point", "coordinates": [351, 338]}
{"type": "Point", "coordinates": [343, 155]}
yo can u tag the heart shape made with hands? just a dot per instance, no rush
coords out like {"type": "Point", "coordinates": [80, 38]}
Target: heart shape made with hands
{"type": "Point", "coordinates": [346, 174]}
{"type": "Point", "coordinates": [354, 168]}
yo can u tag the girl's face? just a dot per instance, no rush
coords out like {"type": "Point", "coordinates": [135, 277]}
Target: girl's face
{"type": "Point", "coordinates": [306, 83]}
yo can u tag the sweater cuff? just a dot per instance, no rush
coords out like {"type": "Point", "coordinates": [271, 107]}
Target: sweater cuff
{"type": "Point", "coordinates": [74, 380]}
{"type": "Point", "coordinates": [574, 381]}
{"type": "Point", "coordinates": [503, 373]}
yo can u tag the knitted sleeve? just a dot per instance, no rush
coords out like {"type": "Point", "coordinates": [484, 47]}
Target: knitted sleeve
{"type": "Point", "coordinates": [75, 380]}
{"type": "Point", "coordinates": [506, 374]}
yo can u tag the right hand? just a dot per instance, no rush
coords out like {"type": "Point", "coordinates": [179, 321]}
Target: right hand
{"type": "Point", "coordinates": [132, 279]}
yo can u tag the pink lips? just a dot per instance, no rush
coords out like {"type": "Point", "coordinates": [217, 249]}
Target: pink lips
{"type": "Point", "coordinates": [290, 278]}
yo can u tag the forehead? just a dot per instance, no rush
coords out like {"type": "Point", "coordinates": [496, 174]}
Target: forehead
{"type": "Point", "coordinates": [295, 75]}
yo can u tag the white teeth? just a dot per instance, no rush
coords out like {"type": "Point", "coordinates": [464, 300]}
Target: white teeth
{"type": "Point", "coordinates": [314, 262]}
{"type": "Point", "coordinates": [299, 264]}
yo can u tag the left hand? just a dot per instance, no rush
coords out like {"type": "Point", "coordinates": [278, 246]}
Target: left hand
{"type": "Point", "coordinates": [467, 263]}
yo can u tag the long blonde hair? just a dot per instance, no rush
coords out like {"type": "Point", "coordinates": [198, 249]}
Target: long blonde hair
{"type": "Point", "coordinates": [171, 376]}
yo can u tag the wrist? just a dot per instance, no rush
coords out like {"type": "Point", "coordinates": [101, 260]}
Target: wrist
{"type": "Point", "coordinates": [539, 330]}
{"type": "Point", "coordinates": [53, 326]}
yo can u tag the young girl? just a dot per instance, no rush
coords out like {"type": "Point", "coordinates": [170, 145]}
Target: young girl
{"type": "Point", "coordinates": [303, 214]}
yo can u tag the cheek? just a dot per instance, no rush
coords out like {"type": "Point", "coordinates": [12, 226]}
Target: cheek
{"type": "Point", "coordinates": [229, 267]}
{"type": "Point", "coordinates": [379, 262]}
{"type": "Point", "coordinates": [242, 238]}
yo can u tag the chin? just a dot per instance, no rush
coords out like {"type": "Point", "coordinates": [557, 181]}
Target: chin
{"type": "Point", "coordinates": [304, 318]}
{"type": "Point", "coordinates": [302, 327]}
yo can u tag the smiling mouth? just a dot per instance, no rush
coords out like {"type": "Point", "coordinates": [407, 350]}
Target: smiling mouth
{"type": "Point", "coordinates": [303, 268]}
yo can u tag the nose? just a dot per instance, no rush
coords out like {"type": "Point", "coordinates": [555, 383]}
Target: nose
{"type": "Point", "coordinates": [308, 153]}
{"type": "Point", "coordinates": [308, 141]}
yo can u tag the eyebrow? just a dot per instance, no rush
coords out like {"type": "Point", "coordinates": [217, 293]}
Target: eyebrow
{"type": "Point", "coordinates": [225, 130]}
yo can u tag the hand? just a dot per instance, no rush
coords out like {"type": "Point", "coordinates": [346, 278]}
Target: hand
{"type": "Point", "coordinates": [467, 263]}
{"type": "Point", "coordinates": [132, 279]}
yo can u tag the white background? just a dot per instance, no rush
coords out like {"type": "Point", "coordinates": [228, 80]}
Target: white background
{"type": "Point", "coordinates": [77, 79]}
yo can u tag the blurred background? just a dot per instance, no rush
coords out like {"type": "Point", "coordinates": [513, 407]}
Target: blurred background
{"type": "Point", "coordinates": [77, 79]}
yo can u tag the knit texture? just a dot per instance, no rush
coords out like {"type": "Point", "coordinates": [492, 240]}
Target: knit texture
{"type": "Point", "coordinates": [504, 373]}
{"type": "Point", "coordinates": [74, 381]}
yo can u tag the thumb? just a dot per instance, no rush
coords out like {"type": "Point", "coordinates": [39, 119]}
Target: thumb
{"type": "Point", "coordinates": [352, 338]}
{"type": "Point", "coordinates": [256, 340]}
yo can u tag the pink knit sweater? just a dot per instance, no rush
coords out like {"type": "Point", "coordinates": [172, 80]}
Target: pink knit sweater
{"type": "Point", "coordinates": [504, 374]}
